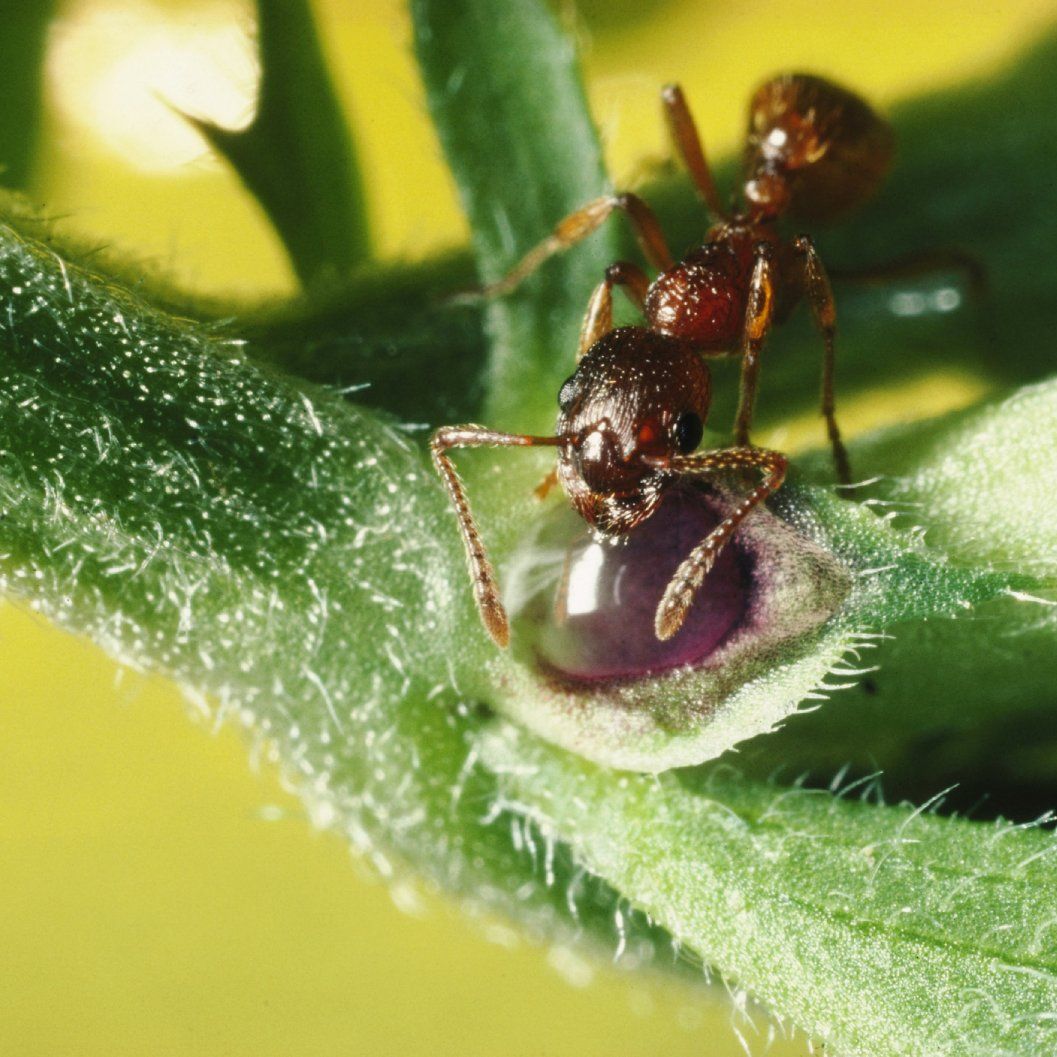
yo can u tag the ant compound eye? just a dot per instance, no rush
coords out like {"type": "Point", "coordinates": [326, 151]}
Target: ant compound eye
{"type": "Point", "coordinates": [689, 429]}
{"type": "Point", "coordinates": [569, 391]}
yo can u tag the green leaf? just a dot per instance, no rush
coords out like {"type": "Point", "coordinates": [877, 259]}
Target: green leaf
{"type": "Point", "coordinates": [506, 97]}
{"type": "Point", "coordinates": [291, 561]}
{"type": "Point", "coordinates": [981, 480]}
{"type": "Point", "coordinates": [296, 156]}
{"type": "Point", "coordinates": [830, 576]}
{"type": "Point", "coordinates": [202, 517]}
{"type": "Point", "coordinates": [966, 701]}
{"type": "Point", "coordinates": [881, 931]}
{"type": "Point", "coordinates": [284, 556]}
{"type": "Point", "coordinates": [23, 29]}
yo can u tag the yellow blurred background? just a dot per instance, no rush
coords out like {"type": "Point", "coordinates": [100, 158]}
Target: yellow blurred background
{"type": "Point", "coordinates": [158, 895]}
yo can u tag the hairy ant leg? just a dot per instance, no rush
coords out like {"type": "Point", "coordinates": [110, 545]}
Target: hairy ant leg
{"type": "Point", "coordinates": [577, 226]}
{"type": "Point", "coordinates": [688, 578]}
{"type": "Point", "coordinates": [759, 315]}
{"type": "Point", "coordinates": [820, 297]}
{"type": "Point", "coordinates": [687, 140]}
{"type": "Point", "coordinates": [598, 320]}
{"type": "Point", "coordinates": [485, 588]}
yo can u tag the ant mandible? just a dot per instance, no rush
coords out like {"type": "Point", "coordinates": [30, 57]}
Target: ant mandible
{"type": "Point", "coordinates": [633, 412]}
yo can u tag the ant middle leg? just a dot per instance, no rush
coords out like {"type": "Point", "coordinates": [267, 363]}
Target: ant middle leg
{"type": "Point", "coordinates": [759, 315]}
{"type": "Point", "coordinates": [485, 587]}
{"type": "Point", "coordinates": [577, 226]}
{"type": "Point", "coordinates": [598, 320]}
{"type": "Point", "coordinates": [820, 297]}
{"type": "Point", "coordinates": [684, 133]}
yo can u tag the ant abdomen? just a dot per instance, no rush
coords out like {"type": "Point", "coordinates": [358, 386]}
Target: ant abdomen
{"type": "Point", "coordinates": [817, 145]}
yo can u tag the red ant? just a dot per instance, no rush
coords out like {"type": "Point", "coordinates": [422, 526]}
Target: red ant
{"type": "Point", "coordinates": [633, 412]}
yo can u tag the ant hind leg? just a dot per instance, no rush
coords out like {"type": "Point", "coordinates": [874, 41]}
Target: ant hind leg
{"type": "Point", "coordinates": [820, 296]}
{"type": "Point", "coordinates": [688, 142]}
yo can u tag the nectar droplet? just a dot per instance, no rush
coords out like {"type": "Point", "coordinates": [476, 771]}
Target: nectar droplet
{"type": "Point", "coordinates": [599, 622]}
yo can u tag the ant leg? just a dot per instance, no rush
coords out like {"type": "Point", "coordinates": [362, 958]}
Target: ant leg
{"type": "Point", "coordinates": [577, 226]}
{"type": "Point", "coordinates": [685, 135]}
{"type": "Point", "coordinates": [598, 321]}
{"type": "Point", "coordinates": [543, 489]}
{"type": "Point", "coordinates": [561, 596]}
{"type": "Point", "coordinates": [759, 313]}
{"type": "Point", "coordinates": [688, 578]}
{"type": "Point", "coordinates": [631, 279]}
{"type": "Point", "coordinates": [820, 295]}
{"type": "Point", "coordinates": [485, 589]}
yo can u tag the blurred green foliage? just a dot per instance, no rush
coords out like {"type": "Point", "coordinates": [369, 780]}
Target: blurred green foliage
{"type": "Point", "coordinates": [297, 155]}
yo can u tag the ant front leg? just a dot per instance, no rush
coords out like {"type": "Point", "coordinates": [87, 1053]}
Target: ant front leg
{"type": "Point", "coordinates": [485, 588]}
{"type": "Point", "coordinates": [577, 226]}
{"type": "Point", "coordinates": [820, 296]}
{"type": "Point", "coordinates": [683, 587]}
{"type": "Point", "coordinates": [688, 142]}
{"type": "Point", "coordinates": [598, 321]}
{"type": "Point", "coordinates": [759, 314]}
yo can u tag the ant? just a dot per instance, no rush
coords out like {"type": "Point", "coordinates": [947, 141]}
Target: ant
{"type": "Point", "coordinates": [633, 412]}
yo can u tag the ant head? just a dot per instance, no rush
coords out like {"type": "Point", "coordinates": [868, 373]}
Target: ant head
{"type": "Point", "coordinates": [636, 400]}
{"type": "Point", "coordinates": [813, 148]}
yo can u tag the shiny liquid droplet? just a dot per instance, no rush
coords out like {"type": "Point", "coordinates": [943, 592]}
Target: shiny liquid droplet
{"type": "Point", "coordinates": [597, 625]}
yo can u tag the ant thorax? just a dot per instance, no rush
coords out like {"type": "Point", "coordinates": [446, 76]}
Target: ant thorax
{"type": "Point", "coordinates": [703, 298]}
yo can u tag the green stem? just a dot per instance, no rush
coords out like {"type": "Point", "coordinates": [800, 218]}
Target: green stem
{"type": "Point", "coordinates": [23, 34]}
{"type": "Point", "coordinates": [505, 95]}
